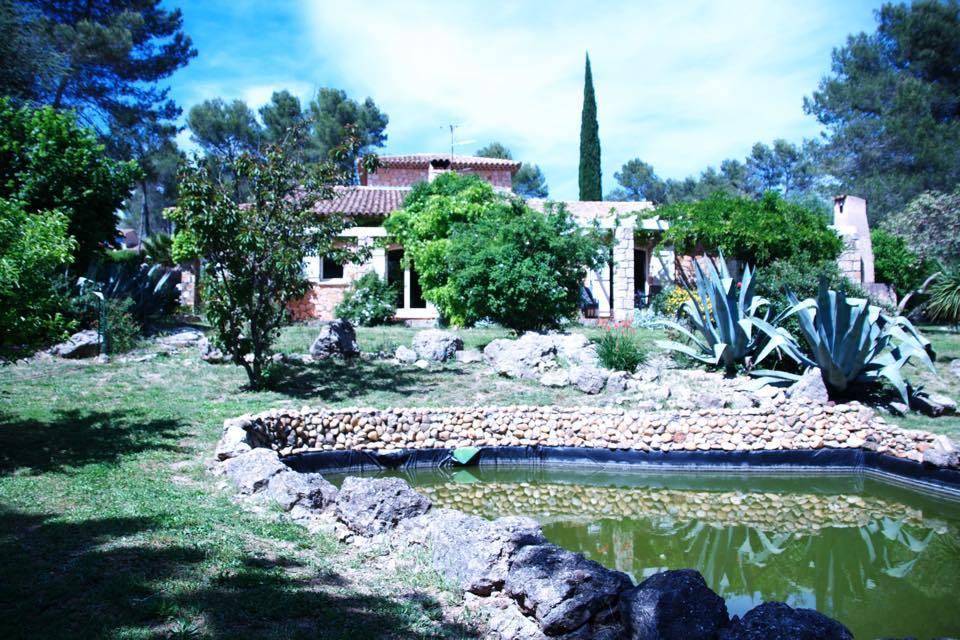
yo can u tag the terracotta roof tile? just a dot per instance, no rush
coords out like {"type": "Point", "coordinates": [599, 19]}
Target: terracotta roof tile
{"type": "Point", "coordinates": [364, 201]}
{"type": "Point", "coordinates": [457, 162]}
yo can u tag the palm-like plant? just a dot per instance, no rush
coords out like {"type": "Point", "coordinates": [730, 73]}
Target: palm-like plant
{"type": "Point", "coordinates": [852, 342]}
{"type": "Point", "coordinates": [944, 301]}
{"type": "Point", "coordinates": [731, 322]}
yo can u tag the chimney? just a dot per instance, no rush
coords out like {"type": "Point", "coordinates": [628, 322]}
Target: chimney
{"type": "Point", "coordinates": [437, 166]}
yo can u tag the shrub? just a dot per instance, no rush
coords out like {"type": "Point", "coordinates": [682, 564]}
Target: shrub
{"type": "Point", "coordinates": [802, 277]}
{"type": "Point", "coordinates": [619, 348]}
{"type": "Point", "coordinates": [944, 303]}
{"type": "Point", "coordinates": [123, 256]}
{"type": "Point", "coordinates": [930, 224]}
{"type": "Point", "coordinates": [184, 247]}
{"type": "Point", "coordinates": [896, 264]}
{"type": "Point", "coordinates": [368, 302]}
{"type": "Point", "coordinates": [157, 249]}
{"type": "Point", "coordinates": [123, 330]}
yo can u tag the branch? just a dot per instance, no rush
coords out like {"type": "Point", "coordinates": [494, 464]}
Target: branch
{"type": "Point", "coordinates": [922, 290]}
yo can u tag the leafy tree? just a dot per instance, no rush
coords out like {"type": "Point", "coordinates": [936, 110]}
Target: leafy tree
{"type": "Point", "coordinates": [224, 130]}
{"type": "Point", "coordinates": [335, 118]}
{"type": "Point", "coordinates": [930, 224]}
{"type": "Point", "coordinates": [27, 62]}
{"type": "Point", "coordinates": [528, 182]}
{"type": "Point", "coordinates": [896, 264]}
{"type": "Point", "coordinates": [34, 248]}
{"type": "Point", "coordinates": [638, 181]}
{"type": "Point", "coordinates": [110, 57]}
{"type": "Point", "coordinates": [890, 106]}
{"type": "Point", "coordinates": [49, 163]}
{"type": "Point", "coordinates": [784, 168]}
{"type": "Point", "coordinates": [757, 232]}
{"type": "Point", "coordinates": [590, 176]}
{"type": "Point", "coordinates": [255, 247]}
{"type": "Point", "coordinates": [481, 254]}
{"type": "Point", "coordinates": [281, 116]}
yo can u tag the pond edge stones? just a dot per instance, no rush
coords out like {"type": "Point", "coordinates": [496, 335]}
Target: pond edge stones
{"type": "Point", "coordinates": [528, 588]}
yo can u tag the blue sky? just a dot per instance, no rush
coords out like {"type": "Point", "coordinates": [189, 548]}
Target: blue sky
{"type": "Point", "coordinates": [681, 85]}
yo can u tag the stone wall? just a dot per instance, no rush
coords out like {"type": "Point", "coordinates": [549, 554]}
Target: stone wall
{"type": "Point", "coordinates": [790, 425]}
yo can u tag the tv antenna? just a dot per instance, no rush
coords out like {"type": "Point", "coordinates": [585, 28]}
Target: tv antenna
{"type": "Point", "coordinates": [453, 141]}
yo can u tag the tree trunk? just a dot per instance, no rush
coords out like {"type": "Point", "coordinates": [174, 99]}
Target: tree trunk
{"type": "Point", "coordinates": [144, 212]}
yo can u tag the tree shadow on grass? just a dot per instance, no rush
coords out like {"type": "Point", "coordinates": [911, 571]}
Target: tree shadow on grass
{"type": "Point", "coordinates": [125, 576]}
{"type": "Point", "coordinates": [333, 380]}
{"type": "Point", "coordinates": [75, 438]}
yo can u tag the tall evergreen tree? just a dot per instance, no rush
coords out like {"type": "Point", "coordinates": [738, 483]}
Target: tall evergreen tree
{"type": "Point", "coordinates": [590, 183]}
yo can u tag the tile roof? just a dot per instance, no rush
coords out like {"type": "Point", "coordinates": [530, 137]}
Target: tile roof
{"type": "Point", "coordinates": [456, 161]}
{"type": "Point", "coordinates": [364, 201]}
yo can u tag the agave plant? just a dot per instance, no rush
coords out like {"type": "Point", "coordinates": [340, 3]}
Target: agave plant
{"type": "Point", "coordinates": [153, 288]}
{"type": "Point", "coordinates": [853, 342]}
{"type": "Point", "coordinates": [727, 317]}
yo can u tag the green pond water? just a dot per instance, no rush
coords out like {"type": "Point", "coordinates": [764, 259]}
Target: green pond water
{"type": "Point", "coordinates": [882, 559]}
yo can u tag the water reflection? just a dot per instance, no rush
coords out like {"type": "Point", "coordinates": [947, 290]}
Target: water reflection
{"type": "Point", "coordinates": [884, 560]}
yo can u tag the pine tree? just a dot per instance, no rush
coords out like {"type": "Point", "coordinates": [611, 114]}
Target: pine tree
{"type": "Point", "coordinates": [590, 188]}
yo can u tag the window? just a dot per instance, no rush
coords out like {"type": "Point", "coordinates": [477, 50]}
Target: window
{"type": "Point", "coordinates": [395, 273]}
{"type": "Point", "coordinates": [330, 269]}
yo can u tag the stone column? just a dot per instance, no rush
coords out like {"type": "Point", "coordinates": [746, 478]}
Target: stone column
{"type": "Point", "coordinates": [623, 284]}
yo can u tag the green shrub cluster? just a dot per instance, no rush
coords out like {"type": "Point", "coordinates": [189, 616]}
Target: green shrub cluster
{"type": "Point", "coordinates": [620, 349]}
{"type": "Point", "coordinates": [368, 302]}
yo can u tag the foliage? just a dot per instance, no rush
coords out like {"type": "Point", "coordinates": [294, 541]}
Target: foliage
{"type": "Point", "coordinates": [930, 224]}
{"type": "Point", "coordinates": [757, 231]}
{"type": "Point", "coordinates": [368, 302]}
{"type": "Point", "coordinates": [733, 326]}
{"type": "Point", "coordinates": [157, 249]}
{"type": "Point", "coordinates": [890, 106]}
{"type": "Point", "coordinates": [896, 264]}
{"type": "Point", "coordinates": [185, 247]}
{"type": "Point", "coordinates": [343, 129]}
{"type": "Point", "coordinates": [27, 62]}
{"type": "Point", "coordinates": [944, 303]}
{"type": "Point", "coordinates": [674, 300]}
{"type": "Point", "coordinates": [224, 129]}
{"type": "Point", "coordinates": [638, 181]}
{"type": "Point", "coordinates": [123, 256]}
{"type": "Point", "coordinates": [853, 343]}
{"type": "Point", "coordinates": [255, 248]}
{"type": "Point", "coordinates": [281, 116]}
{"type": "Point", "coordinates": [495, 150]}
{"type": "Point", "coordinates": [528, 182]}
{"type": "Point", "coordinates": [123, 330]}
{"type": "Point", "coordinates": [591, 187]}
{"type": "Point", "coordinates": [801, 276]}
{"type": "Point", "coordinates": [48, 163]}
{"type": "Point", "coordinates": [33, 248]}
{"type": "Point", "coordinates": [151, 288]}
{"type": "Point", "coordinates": [108, 58]}
{"type": "Point", "coordinates": [619, 348]}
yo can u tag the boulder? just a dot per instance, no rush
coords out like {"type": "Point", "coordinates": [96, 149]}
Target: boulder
{"type": "Point", "coordinates": [251, 471]}
{"type": "Point", "coordinates": [406, 355]}
{"type": "Point", "coordinates": [575, 348]}
{"type": "Point", "coordinates": [181, 338]}
{"type": "Point", "coordinates": [83, 344]}
{"type": "Point", "coordinates": [504, 619]}
{"type": "Point", "coordinates": [469, 356]}
{"type": "Point", "coordinates": [954, 367]}
{"type": "Point", "coordinates": [527, 357]}
{"type": "Point", "coordinates": [234, 440]}
{"type": "Point", "coordinates": [555, 378]}
{"type": "Point", "coordinates": [949, 404]}
{"type": "Point", "coordinates": [809, 387]}
{"type": "Point", "coordinates": [437, 345]}
{"type": "Point", "coordinates": [589, 379]}
{"type": "Point", "coordinates": [673, 605]}
{"type": "Point", "coordinates": [942, 453]}
{"type": "Point", "coordinates": [707, 401]}
{"type": "Point", "coordinates": [209, 353]}
{"type": "Point", "coordinates": [336, 339]}
{"type": "Point", "coordinates": [931, 405]}
{"type": "Point", "coordinates": [476, 553]}
{"type": "Point", "coordinates": [563, 591]}
{"type": "Point", "coordinates": [309, 490]}
{"type": "Point", "coordinates": [778, 621]}
{"type": "Point", "coordinates": [617, 382]}
{"type": "Point", "coordinates": [369, 506]}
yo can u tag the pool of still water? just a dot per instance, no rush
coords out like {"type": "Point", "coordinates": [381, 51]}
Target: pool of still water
{"type": "Point", "coordinates": [882, 559]}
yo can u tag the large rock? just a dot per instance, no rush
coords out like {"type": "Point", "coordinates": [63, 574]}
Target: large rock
{"type": "Point", "coordinates": [476, 553]}
{"type": "Point", "coordinates": [209, 353]}
{"type": "Point", "coordinates": [809, 387]}
{"type": "Point", "coordinates": [180, 338]}
{"type": "Point", "coordinates": [372, 506]}
{"type": "Point", "coordinates": [527, 357]}
{"type": "Point", "coordinates": [575, 349]}
{"type": "Point", "coordinates": [954, 367]}
{"type": "Point", "coordinates": [589, 379]}
{"type": "Point", "coordinates": [309, 490]}
{"type": "Point", "coordinates": [336, 339]}
{"type": "Point", "coordinates": [673, 605]}
{"type": "Point", "coordinates": [555, 378]}
{"type": "Point", "coordinates": [250, 472]}
{"type": "Point", "coordinates": [234, 440]}
{"type": "Point", "coordinates": [437, 345]}
{"type": "Point", "coordinates": [942, 453]}
{"type": "Point", "coordinates": [564, 591]}
{"type": "Point", "coordinates": [84, 344]}
{"type": "Point", "coordinates": [469, 356]}
{"type": "Point", "coordinates": [617, 382]}
{"type": "Point", "coordinates": [778, 621]}
{"type": "Point", "coordinates": [406, 355]}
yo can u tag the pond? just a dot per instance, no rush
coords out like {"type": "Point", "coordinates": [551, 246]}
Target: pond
{"type": "Point", "coordinates": [882, 559]}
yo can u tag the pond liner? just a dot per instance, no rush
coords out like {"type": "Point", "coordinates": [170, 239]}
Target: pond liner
{"type": "Point", "coordinates": [828, 460]}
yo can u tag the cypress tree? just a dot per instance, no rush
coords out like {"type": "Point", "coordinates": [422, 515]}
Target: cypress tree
{"type": "Point", "coordinates": [590, 188]}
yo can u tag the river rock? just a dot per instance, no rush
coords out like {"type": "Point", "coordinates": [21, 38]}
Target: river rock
{"type": "Point", "coordinates": [209, 353]}
{"type": "Point", "coordinates": [564, 591]}
{"type": "Point", "coordinates": [555, 378]}
{"type": "Point", "coordinates": [336, 339]}
{"type": "Point", "coordinates": [437, 345]}
{"type": "Point", "coordinates": [234, 440]}
{"type": "Point", "coordinates": [588, 379]}
{"type": "Point", "coordinates": [371, 506]}
{"type": "Point", "coordinates": [83, 344]}
{"type": "Point", "coordinates": [406, 355]}
{"type": "Point", "coordinates": [673, 605]}
{"type": "Point", "coordinates": [810, 387]}
{"type": "Point", "coordinates": [476, 553]}
{"type": "Point", "coordinates": [251, 471]}
{"type": "Point", "coordinates": [309, 490]}
{"type": "Point", "coordinates": [527, 357]}
{"type": "Point", "coordinates": [779, 621]}
{"type": "Point", "coordinates": [469, 356]}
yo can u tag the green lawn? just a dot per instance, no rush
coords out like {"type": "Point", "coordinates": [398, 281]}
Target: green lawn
{"type": "Point", "coordinates": [111, 526]}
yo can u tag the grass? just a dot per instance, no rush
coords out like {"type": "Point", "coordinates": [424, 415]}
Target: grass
{"type": "Point", "coordinates": [946, 344]}
{"type": "Point", "coordinates": [111, 526]}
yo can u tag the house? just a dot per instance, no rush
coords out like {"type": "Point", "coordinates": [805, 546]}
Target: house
{"type": "Point", "coordinates": [636, 272]}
